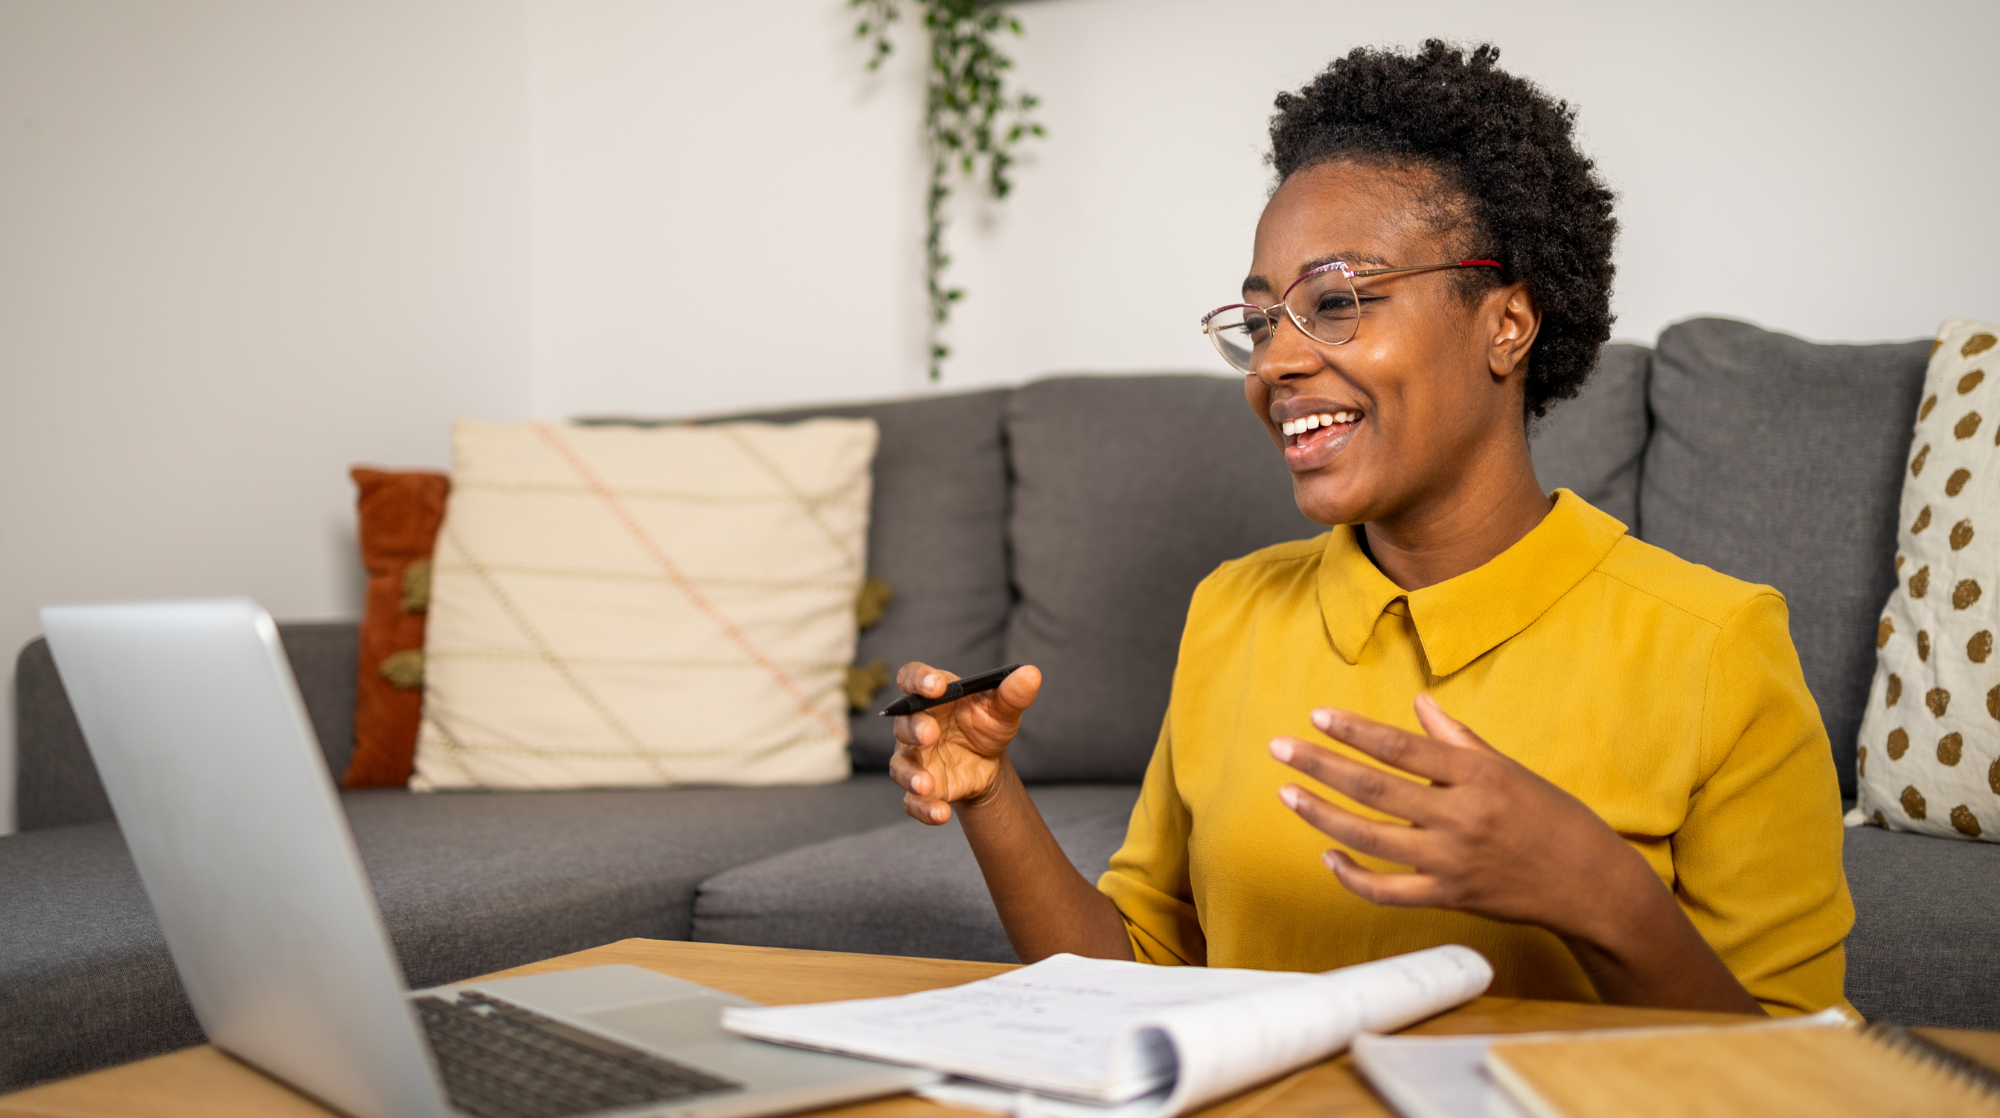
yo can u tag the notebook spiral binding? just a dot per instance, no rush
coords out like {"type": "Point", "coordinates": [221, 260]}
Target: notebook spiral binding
{"type": "Point", "coordinates": [1929, 1052]}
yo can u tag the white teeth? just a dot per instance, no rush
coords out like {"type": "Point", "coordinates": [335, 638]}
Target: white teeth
{"type": "Point", "coordinates": [1313, 422]}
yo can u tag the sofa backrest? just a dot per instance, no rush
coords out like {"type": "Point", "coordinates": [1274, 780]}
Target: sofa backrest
{"type": "Point", "coordinates": [56, 783]}
{"type": "Point", "coordinates": [1780, 461]}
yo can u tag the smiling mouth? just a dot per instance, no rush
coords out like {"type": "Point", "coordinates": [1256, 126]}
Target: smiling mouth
{"type": "Point", "coordinates": [1311, 430]}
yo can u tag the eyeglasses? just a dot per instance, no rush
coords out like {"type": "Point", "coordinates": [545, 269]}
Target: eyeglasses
{"type": "Point", "coordinates": [1322, 304]}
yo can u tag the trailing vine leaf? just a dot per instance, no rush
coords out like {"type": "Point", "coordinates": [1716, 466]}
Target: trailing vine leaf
{"type": "Point", "coordinates": [970, 119]}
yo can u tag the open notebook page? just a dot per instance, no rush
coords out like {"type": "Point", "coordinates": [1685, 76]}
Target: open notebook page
{"type": "Point", "coordinates": [1109, 1032]}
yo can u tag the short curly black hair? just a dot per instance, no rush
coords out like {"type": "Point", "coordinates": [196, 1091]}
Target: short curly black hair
{"type": "Point", "coordinates": [1519, 191]}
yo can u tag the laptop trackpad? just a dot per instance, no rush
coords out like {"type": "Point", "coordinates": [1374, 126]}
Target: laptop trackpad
{"type": "Point", "coordinates": [665, 1022]}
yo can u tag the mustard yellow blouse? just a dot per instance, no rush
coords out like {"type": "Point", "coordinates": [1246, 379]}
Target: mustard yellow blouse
{"type": "Point", "coordinates": [1666, 696]}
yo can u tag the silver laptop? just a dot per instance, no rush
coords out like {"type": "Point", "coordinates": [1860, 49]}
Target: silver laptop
{"type": "Point", "coordinates": [203, 743]}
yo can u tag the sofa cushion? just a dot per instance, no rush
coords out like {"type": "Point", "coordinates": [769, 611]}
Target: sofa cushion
{"type": "Point", "coordinates": [1780, 461]}
{"type": "Point", "coordinates": [1593, 445]}
{"type": "Point", "coordinates": [1926, 929]}
{"type": "Point", "coordinates": [467, 883]}
{"type": "Point", "coordinates": [1110, 534]}
{"type": "Point", "coordinates": [85, 979]}
{"type": "Point", "coordinates": [478, 881]}
{"type": "Point", "coordinates": [617, 607]}
{"type": "Point", "coordinates": [903, 889]}
{"type": "Point", "coordinates": [937, 534]}
{"type": "Point", "coordinates": [56, 781]}
{"type": "Point", "coordinates": [397, 513]}
{"type": "Point", "coordinates": [1923, 762]}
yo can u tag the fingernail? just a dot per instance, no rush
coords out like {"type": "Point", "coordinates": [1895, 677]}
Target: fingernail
{"type": "Point", "coordinates": [1290, 794]}
{"type": "Point", "coordinates": [1281, 749]}
{"type": "Point", "coordinates": [930, 681]}
{"type": "Point", "coordinates": [938, 815]}
{"type": "Point", "coordinates": [1332, 862]}
{"type": "Point", "coordinates": [1323, 718]}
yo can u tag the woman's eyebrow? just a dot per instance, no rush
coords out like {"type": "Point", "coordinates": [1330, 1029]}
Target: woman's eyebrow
{"type": "Point", "coordinates": [1349, 255]}
{"type": "Point", "coordinates": [1259, 283]}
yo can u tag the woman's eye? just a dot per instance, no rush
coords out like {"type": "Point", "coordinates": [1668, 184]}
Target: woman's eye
{"type": "Point", "coordinates": [1335, 305]}
{"type": "Point", "coordinates": [1255, 326]}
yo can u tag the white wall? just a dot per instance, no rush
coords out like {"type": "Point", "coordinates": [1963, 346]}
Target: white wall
{"type": "Point", "coordinates": [245, 244]}
{"type": "Point", "coordinates": [726, 207]}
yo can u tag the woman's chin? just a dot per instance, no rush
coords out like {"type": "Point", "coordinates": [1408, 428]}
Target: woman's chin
{"type": "Point", "coordinates": [1329, 501]}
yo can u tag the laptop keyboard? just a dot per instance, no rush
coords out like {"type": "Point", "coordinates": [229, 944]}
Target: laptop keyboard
{"type": "Point", "coordinates": [502, 1061]}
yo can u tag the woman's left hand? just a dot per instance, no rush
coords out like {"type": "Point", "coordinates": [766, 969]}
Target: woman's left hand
{"type": "Point", "coordinates": [1489, 836]}
{"type": "Point", "coordinates": [1486, 835]}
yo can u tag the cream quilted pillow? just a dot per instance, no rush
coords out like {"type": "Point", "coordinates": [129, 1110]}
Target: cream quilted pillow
{"type": "Point", "coordinates": [1929, 757]}
{"type": "Point", "coordinates": [623, 606]}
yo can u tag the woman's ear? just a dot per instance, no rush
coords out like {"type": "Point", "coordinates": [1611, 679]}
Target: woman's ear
{"type": "Point", "coordinates": [1516, 320]}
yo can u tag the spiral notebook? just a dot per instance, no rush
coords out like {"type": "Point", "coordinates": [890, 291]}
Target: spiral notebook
{"type": "Point", "coordinates": [1827, 1072]}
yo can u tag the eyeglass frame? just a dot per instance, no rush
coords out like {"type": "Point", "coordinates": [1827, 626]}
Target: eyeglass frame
{"type": "Point", "coordinates": [1344, 269]}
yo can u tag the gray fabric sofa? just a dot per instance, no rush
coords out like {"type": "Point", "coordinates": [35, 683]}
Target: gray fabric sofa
{"type": "Point", "coordinates": [1063, 523]}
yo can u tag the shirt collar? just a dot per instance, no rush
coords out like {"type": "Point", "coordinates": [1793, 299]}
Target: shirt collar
{"type": "Point", "coordinates": [1463, 618]}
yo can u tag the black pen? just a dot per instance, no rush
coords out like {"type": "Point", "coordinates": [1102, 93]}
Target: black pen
{"type": "Point", "coordinates": [953, 691]}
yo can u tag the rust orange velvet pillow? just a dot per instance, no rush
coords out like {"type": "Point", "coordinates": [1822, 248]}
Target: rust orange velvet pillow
{"type": "Point", "coordinates": [400, 512]}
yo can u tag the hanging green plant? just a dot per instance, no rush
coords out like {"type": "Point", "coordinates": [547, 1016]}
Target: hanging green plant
{"type": "Point", "coordinates": [970, 120]}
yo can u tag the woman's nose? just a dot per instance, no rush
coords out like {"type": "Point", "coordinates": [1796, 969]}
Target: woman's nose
{"type": "Point", "coordinates": [1289, 354]}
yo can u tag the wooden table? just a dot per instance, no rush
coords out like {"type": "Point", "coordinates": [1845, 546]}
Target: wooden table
{"type": "Point", "coordinates": [204, 1081]}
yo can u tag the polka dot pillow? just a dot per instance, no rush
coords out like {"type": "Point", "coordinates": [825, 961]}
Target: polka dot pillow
{"type": "Point", "coordinates": [1929, 757]}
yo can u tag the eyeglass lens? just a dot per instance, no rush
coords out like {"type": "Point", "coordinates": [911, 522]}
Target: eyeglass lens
{"type": "Point", "coordinates": [1324, 306]}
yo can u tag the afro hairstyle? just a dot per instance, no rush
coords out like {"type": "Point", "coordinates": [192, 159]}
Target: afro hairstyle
{"type": "Point", "coordinates": [1516, 187]}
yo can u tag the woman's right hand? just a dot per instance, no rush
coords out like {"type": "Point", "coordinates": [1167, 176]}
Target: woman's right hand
{"type": "Point", "coordinates": [955, 753]}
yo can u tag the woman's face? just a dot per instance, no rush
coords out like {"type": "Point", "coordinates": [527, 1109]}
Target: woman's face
{"type": "Point", "coordinates": [1419, 394]}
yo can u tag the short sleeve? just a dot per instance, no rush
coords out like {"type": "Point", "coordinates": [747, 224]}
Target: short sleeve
{"type": "Point", "coordinates": [1757, 861]}
{"type": "Point", "coordinates": [1148, 879]}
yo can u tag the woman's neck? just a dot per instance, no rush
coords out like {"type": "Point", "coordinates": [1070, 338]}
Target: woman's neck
{"type": "Point", "coordinates": [1442, 538]}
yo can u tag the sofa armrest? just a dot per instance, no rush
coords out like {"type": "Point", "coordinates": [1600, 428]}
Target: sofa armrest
{"type": "Point", "coordinates": [56, 783]}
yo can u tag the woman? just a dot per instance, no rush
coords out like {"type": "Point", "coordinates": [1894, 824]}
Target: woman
{"type": "Point", "coordinates": [1632, 798]}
